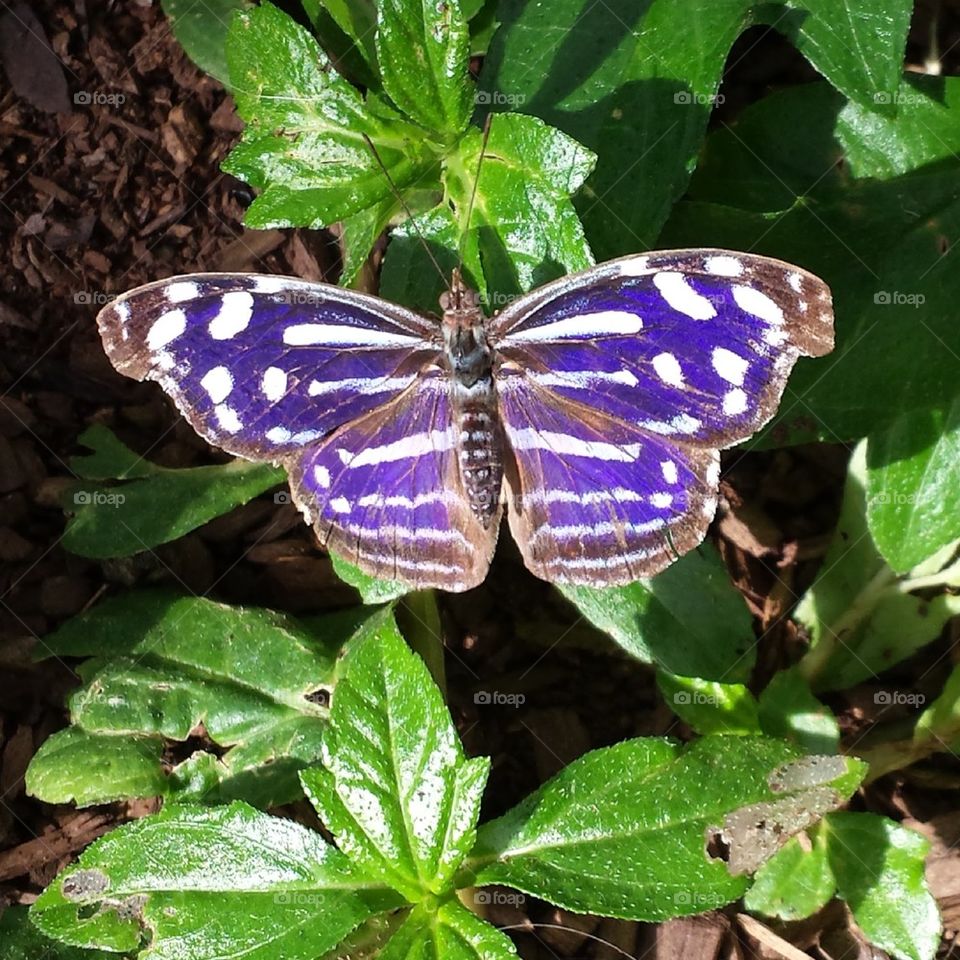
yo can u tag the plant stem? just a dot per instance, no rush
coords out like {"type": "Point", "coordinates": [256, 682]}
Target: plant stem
{"type": "Point", "coordinates": [811, 665]}
{"type": "Point", "coordinates": [419, 620]}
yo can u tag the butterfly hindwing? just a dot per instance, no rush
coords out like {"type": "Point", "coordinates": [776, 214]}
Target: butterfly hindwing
{"type": "Point", "coordinates": [384, 492]}
{"type": "Point", "coordinates": [262, 366]}
{"type": "Point", "coordinates": [593, 500]}
{"type": "Point", "coordinates": [692, 345]}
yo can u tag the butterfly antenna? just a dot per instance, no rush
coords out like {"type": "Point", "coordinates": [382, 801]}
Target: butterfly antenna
{"type": "Point", "coordinates": [476, 183]}
{"type": "Point", "coordinates": [409, 213]}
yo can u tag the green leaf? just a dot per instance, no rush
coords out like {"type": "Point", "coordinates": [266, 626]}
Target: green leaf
{"type": "Point", "coordinates": [522, 231]}
{"type": "Point", "coordinates": [913, 473]}
{"type": "Point", "coordinates": [708, 706]}
{"type": "Point", "coordinates": [689, 620]}
{"type": "Point", "coordinates": [160, 666]}
{"type": "Point", "coordinates": [623, 831]}
{"type": "Point", "coordinates": [156, 505]}
{"type": "Point", "coordinates": [940, 722]}
{"type": "Point", "coordinates": [796, 882]}
{"type": "Point", "coordinates": [449, 933]}
{"type": "Point", "coordinates": [879, 867]}
{"type": "Point", "coordinates": [423, 48]}
{"type": "Point", "coordinates": [372, 590]}
{"type": "Point", "coordinates": [409, 275]}
{"type": "Point", "coordinates": [23, 941]}
{"type": "Point", "coordinates": [360, 232]}
{"type": "Point", "coordinates": [358, 21]}
{"type": "Point", "coordinates": [637, 84]}
{"type": "Point", "coordinates": [209, 883]}
{"type": "Point", "coordinates": [858, 45]}
{"type": "Point", "coordinates": [303, 144]}
{"type": "Point", "coordinates": [878, 243]}
{"type": "Point", "coordinates": [396, 792]}
{"type": "Point", "coordinates": [789, 709]}
{"type": "Point", "coordinates": [861, 618]}
{"type": "Point", "coordinates": [201, 29]}
{"type": "Point", "coordinates": [74, 766]}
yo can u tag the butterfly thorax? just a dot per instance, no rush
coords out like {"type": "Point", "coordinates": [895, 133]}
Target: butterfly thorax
{"type": "Point", "coordinates": [473, 394]}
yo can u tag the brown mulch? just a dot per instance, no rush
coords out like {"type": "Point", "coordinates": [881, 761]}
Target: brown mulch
{"type": "Point", "coordinates": [111, 142]}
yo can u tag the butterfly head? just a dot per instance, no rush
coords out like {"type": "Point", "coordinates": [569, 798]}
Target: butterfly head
{"type": "Point", "coordinates": [464, 337]}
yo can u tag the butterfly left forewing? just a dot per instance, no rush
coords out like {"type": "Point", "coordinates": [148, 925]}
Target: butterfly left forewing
{"type": "Point", "coordinates": [260, 365]}
{"type": "Point", "coordinates": [384, 492]}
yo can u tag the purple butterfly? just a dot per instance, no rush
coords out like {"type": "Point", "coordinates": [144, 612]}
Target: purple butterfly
{"type": "Point", "coordinates": [594, 407]}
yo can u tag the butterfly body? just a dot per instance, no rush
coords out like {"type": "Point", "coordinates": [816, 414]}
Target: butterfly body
{"type": "Point", "coordinates": [598, 403]}
{"type": "Point", "coordinates": [471, 362]}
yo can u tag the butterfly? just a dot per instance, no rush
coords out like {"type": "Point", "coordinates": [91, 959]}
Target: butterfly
{"type": "Point", "coordinates": [591, 410]}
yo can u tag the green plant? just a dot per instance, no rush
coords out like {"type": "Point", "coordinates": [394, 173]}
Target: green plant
{"type": "Point", "coordinates": [616, 113]}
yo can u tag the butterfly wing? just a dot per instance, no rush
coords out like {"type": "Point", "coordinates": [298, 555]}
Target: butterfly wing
{"type": "Point", "coordinates": [260, 365]}
{"type": "Point", "coordinates": [594, 500]}
{"type": "Point", "coordinates": [619, 386]}
{"type": "Point", "coordinates": [384, 492]}
{"type": "Point", "coordinates": [694, 345]}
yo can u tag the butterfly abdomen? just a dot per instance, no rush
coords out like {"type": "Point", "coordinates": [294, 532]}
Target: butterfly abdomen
{"type": "Point", "coordinates": [479, 448]}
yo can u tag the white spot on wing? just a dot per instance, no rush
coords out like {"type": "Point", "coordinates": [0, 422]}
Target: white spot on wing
{"type": "Point", "coordinates": [340, 505]}
{"type": "Point", "coordinates": [405, 449]}
{"type": "Point", "coordinates": [795, 281]}
{"type": "Point", "coordinates": [669, 470]}
{"type": "Point", "coordinates": [527, 438]}
{"type": "Point", "coordinates": [236, 309]}
{"type": "Point", "coordinates": [343, 335]}
{"type": "Point", "coordinates": [603, 323]}
{"type": "Point", "coordinates": [182, 290]}
{"type": "Point", "coordinates": [268, 284]}
{"type": "Point", "coordinates": [676, 290]}
{"type": "Point", "coordinates": [723, 266]}
{"type": "Point", "coordinates": [680, 423]}
{"type": "Point", "coordinates": [635, 267]}
{"type": "Point", "coordinates": [668, 369]}
{"type": "Point", "coordinates": [582, 379]}
{"type": "Point", "coordinates": [166, 328]}
{"type": "Point", "coordinates": [227, 418]}
{"type": "Point", "coordinates": [734, 402]}
{"type": "Point", "coordinates": [278, 434]}
{"type": "Point", "coordinates": [322, 476]}
{"type": "Point", "coordinates": [729, 365]}
{"type": "Point", "coordinates": [274, 383]}
{"type": "Point", "coordinates": [358, 385]}
{"type": "Point", "coordinates": [661, 500]}
{"type": "Point", "coordinates": [218, 383]}
{"type": "Point", "coordinates": [758, 303]}
{"type": "Point", "coordinates": [123, 311]}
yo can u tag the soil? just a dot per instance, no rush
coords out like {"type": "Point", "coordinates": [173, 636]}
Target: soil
{"type": "Point", "coordinates": [111, 145]}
